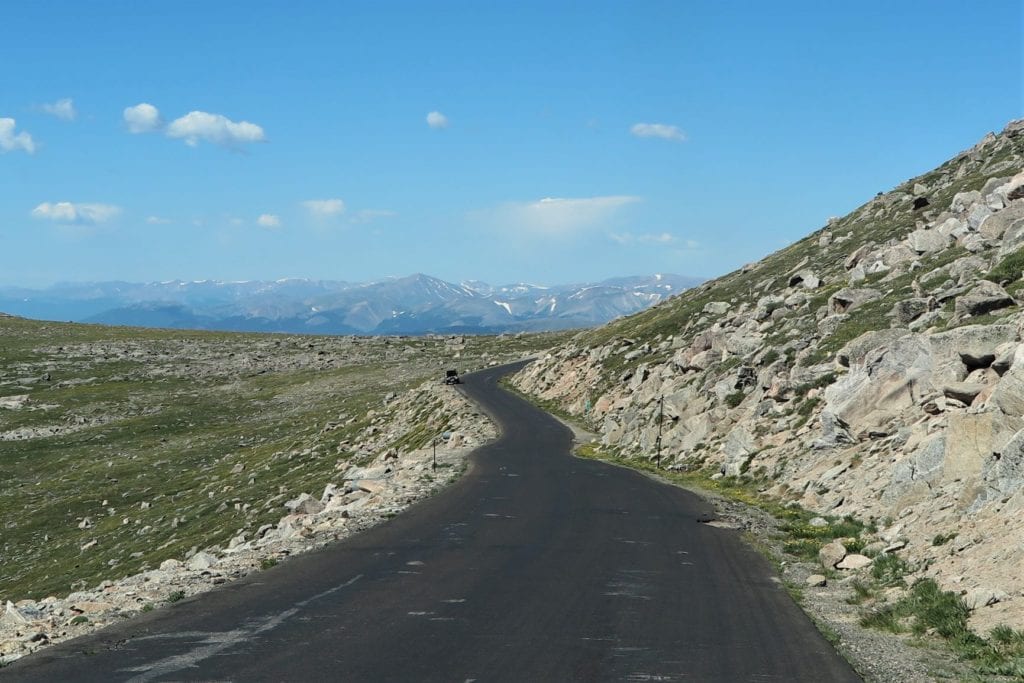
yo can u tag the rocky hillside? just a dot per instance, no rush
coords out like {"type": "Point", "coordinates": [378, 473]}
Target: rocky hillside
{"type": "Point", "coordinates": [873, 369]}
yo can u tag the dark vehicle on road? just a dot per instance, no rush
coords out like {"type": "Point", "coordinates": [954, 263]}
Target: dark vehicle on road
{"type": "Point", "coordinates": [452, 377]}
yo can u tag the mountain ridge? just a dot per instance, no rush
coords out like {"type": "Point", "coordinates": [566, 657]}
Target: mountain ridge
{"type": "Point", "coordinates": [413, 304]}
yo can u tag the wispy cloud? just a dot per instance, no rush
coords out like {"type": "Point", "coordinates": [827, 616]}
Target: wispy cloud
{"type": "Point", "coordinates": [157, 220]}
{"type": "Point", "coordinates": [269, 220]}
{"type": "Point", "coordinates": [69, 213]}
{"type": "Point", "coordinates": [10, 141]}
{"type": "Point", "coordinates": [371, 215]}
{"type": "Point", "coordinates": [215, 128]}
{"type": "Point", "coordinates": [63, 109]}
{"type": "Point", "coordinates": [556, 216]}
{"type": "Point", "coordinates": [436, 119]}
{"type": "Point", "coordinates": [651, 238]}
{"type": "Point", "coordinates": [658, 130]}
{"type": "Point", "coordinates": [142, 118]}
{"type": "Point", "coordinates": [324, 208]}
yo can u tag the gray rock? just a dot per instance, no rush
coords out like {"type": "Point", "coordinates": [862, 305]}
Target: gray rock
{"type": "Point", "coordinates": [831, 554]}
{"type": "Point", "coordinates": [717, 307]}
{"type": "Point", "coordinates": [201, 561]}
{"type": "Point", "coordinates": [927, 241]}
{"type": "Point", "coordinates": [857, 256]}
{"type": "Point", "coordinates": [977, 215]}
{"type": "Point", "coordinates": [848, 299]}
{"type": "Point", "coordinates": [854, 561]}
{"type": "Point", "coordinates": [738, 448]}
{"type": "Point", "coordinates": [977, 598]}
{"type": "Point", "coordinates": [855, 352]}
{"type": "Point", "coordinates": [905, 312]}
{"type": "Point", "coordinates": [12, 617]}
{"type": "Point", "coordinates": [816, 581]}
{"type": "Point", "coordinates": [1010, 218]}
{"type": "Point", "coordinates": [1013, 236]}
{"type": "Point", "coordinates": [170, 565]}
{"type": "Point", "coordinates": [965, 392]}
{"type": "Point", "coordinates": [305, 504]}
{"type": "Point", "coordinates": [983, 298]}
{"type": "Point", "coordinates": [963, 200]}
{"type": "Point", "coordinates": [834, 432]}
{"type": "Point", "coordinates": [805, 278]}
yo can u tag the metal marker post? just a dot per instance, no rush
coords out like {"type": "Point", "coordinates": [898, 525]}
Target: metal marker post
{"type": "Point", "coordinates": [661, 418]}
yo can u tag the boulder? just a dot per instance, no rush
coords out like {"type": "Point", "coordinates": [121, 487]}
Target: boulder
{"type": "Point", "coordinates": [909, 310]}
{"type": "Point", "coordinates": [1012, 190]}
{"type": "Point", "coordinates": [976, 598]}
{"type": "Point", "coordinates": [927, 241]}
{"type": "Point", "coordinates": [1003, 473]}
{"type": "Point", "coordinates": [857, 256]}
{"type": "Point", "coordinates": [971, 439]}
{"type": "Point", "coordinates": [831, 554]}
{"type": "Point", "coordinates": [369, 485]}
{"type": "Point", "coordinates": [805, 278]}
{"type": "Point", "coordinates": [955, 352]}
{"type": "Point", "coordinates": [854, 561]}
{"type": "Point", "coordinates": [717, 307]}
{"type": "Point", "coordinates": [201, 561]}
{"type": "Point", "coordinates": [983, 298]}
{"type": "Point", "coordinates": [965, 392]}
{"type": "Point", "coordinates": [892, 378]}
{"type": "Point", "coordinates": [816, 581]}
{"type": "Point", "coordinates": [1013, 237]}
{"type": "Point", "coordinates": [857, 350]}
{"type": "Point", "coordinates": [962, 201]}
{"type": "Point", "coordinates": [305, 504]}
{"type": "Point", "coordinates": [997, 225]}
{"type": "Point", "coordinates": [738, 448]}
{"type": "Point", "coordinates": [12, 617]}
{"type": "Point", "coordinates": [170, 565]}
{"type": "Point", "coordinates": [978, 214]}
{"type": "Point", "coordinates": [834, 432]}
{"type": "Point", "coordinates": [848, 299]}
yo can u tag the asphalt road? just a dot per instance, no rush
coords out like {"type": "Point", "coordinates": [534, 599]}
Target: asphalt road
{"type": "Point", "coordinates": [535, 566]}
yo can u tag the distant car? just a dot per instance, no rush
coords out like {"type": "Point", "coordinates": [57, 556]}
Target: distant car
{"type": "Point", "coordinates": [452, 377]}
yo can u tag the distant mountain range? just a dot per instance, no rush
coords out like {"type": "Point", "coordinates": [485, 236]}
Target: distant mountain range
{"type": "Point", "coordinates": [418, 304]}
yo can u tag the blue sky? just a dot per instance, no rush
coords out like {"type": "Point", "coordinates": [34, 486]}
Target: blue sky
{"type": "Point", "coordinates": [568, 142]}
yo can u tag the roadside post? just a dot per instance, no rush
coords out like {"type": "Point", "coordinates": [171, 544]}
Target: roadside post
{"type": "Point", "coordinates": [661, 418]}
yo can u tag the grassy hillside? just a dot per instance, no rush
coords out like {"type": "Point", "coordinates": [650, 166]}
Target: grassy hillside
{"type": "Point", "coordinates": [121, 447]}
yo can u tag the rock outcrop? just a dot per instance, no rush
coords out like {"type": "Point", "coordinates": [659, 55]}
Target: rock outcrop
{"type": "Point", "coordinates": [873, 369]}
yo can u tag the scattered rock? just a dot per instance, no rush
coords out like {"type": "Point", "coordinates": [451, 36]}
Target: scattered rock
{"type": "Point", "coordinates": [854, 561]}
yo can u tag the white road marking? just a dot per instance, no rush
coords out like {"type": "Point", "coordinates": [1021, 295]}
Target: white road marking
{"type": "Point", "coordinates": [214, 643]}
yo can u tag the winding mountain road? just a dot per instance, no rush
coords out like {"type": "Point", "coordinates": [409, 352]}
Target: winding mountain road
{"type": "Point", "coordinates": [535, 566]}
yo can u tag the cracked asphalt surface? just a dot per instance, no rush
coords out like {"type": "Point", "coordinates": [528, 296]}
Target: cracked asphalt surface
{"type": "Point", "coordinates": [535, 566]}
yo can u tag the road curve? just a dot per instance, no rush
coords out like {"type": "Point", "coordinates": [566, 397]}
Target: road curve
{"type": "Point", "coordinates": [535, 566]}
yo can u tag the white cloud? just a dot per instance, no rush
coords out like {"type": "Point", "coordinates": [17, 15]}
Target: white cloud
{"type": "Point", "coordinates": [220, 130]}
{"type": "Point", "coordinates": [68, 213]}
{"type": "Point", "coordinates": [658, 130]}
{"type": "Point", "coordinates": [142, 118]}
{"type": "Point", "coordinates": [63, 109]}
{"type": "Point", "coordinates": [558, 216]}
{"type": "Point", "coordinates": [324, 208]}
{"type": "Point", "coordinates": [269, 220]}
{"type": "Point", "coordinates": [10, 141]}
{"type": "Point", "coordinates": [436, 119]}
{"type": "Point", "coordinates": [157, 220]}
